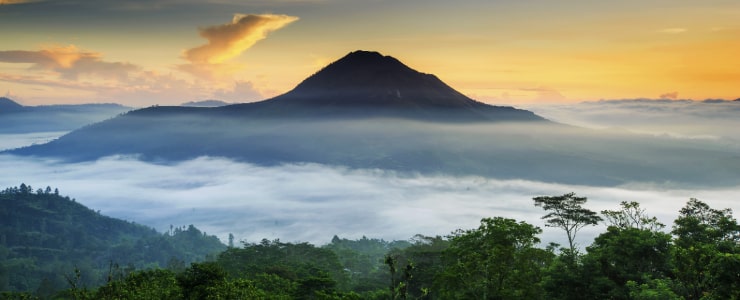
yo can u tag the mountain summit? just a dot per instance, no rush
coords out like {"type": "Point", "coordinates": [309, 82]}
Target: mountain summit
{"type": "Point", "coordinates": [364, 78]}
{"type": "Point", "coordinates": [369, 84]}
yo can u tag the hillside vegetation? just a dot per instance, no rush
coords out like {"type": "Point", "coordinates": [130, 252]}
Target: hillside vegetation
{"type": "Point", "coordinates": [44, 237]}
{"type": "Point", "coordinates": [635, 258]}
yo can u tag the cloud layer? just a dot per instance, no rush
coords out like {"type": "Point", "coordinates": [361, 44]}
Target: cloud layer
{"type": "Point", "coordinates": [70, 62]}
{"type": "Point", "coordinates": [709, 119]}
{"type": "Point", "coordinates": [228, 41]}
{"type": "Point", "coordinates": [314, 202]}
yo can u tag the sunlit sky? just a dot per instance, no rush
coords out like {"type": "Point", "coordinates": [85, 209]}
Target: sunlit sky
{"type": "Point", "coordinates": [146, 52]}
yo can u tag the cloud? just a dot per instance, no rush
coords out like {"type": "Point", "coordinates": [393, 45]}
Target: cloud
{"type": "Point", "coordinates": [16, 140]}
{"type": "Point", "coordinates": [228, 41]}
{"type": "Point", "coordinates": [243, 91]}
{"type": "Point", "coordinates": [72, 68]}
{"type": "Point", "coordinates": [308, 202]}
{"type": "Point", "coordinates": [70, 62]}
{"type": "Point", "coordinates": [672, 30]}
{"type": "Point", "coordinates": [678, 118]}
{"type": "Point", "coordinates": [671, 95]}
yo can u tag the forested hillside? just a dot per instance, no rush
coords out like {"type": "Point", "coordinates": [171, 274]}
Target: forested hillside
{"type": "Point", "coordinates": [45, 236]}
{"type": "Point", "coordinates": [635, 258]}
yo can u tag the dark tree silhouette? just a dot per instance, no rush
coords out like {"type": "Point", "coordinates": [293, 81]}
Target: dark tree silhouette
{"type": "Point", "coordinates": [567, 212]}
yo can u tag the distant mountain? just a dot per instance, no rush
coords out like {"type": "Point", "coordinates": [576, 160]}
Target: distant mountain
{"type": "Point", "coordinates": [8, 105]}
{"type": "Point", "coordinates": [371, 111]}
{"type": "Point", "coordinates": [205, 103]}
{"type": "Point", "coordinates": [45, 236]}
{"type": "Point", "coordinates": [16, 118]}
{"type": "Point", "coordinates": [367, 84]}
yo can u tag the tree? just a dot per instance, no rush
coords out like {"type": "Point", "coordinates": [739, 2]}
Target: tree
{"type": "Point", "coordinates": [707, 248]}
{"type": "Point", "coordinates": [630, 254]}
{"type": "Point", "coordinates": [147, 284]}
{"type": "Point", "coordinates": [425, 256]}
{"type": "Point", "coordinates": [566, 212]}
{"type": "Point", "coordinates": [498, 260]}
{"type": "Point", "coordinates": [196, 280]}
{"type": "Point", "coordinates": [631, 216]}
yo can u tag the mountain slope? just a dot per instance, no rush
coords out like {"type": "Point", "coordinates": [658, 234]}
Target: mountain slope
{"type": "Point", "coordinates": [45, 236]}
{"type": "Point", "coordinates": [8, 105]}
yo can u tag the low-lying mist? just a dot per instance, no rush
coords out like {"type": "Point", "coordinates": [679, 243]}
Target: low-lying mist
{"type": "Point", "coordinates": [17, 140]}
{"type": "Point", "coordinates": [311, 202]}
{"type": "Point", "coordinates": [686, 119]}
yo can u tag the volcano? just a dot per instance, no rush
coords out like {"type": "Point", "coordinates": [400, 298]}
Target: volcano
{"type": "Point", "coordinates": [368, 84]}
{"type": "Point", "coordinates": [370, 111]}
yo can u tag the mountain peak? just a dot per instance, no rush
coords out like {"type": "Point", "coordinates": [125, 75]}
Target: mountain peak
{"type": "Point", "coordinates": [370, 79]}
{"type": "Point", "coordinates": [6, 104]}
{"type": "Point", "coordinates": [371, 59]}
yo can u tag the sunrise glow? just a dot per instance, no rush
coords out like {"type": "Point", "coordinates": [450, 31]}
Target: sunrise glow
{"type": "Point", "coordinates": [507, 52]}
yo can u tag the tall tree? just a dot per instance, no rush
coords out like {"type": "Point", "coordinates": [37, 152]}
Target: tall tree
{"type": "Point", "coordinates": [707, 255]}
{"type": "Point", "coordinates": [631, 216]}
{"type": "Point", "coordinates": [498, 260]}
{"type": "Point", "coordinates": [567, 212]}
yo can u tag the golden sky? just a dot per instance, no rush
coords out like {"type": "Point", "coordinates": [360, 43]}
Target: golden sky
{"type": "Point", "coordinates": [142, 53]}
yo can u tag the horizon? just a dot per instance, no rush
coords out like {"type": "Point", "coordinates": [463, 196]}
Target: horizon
{"type": "Point", "coordinates": [518, 53]}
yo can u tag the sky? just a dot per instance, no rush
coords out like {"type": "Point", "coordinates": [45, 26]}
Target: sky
{"type": "Point", "coordinates": [164, 52]}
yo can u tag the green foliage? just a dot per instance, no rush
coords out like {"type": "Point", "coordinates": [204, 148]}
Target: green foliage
{"type": "Point", "coordinates": [199, 278]}
{"type": "Point", "coordinates": [425, 256]}
{"type": "Point", "coordinates": [44, 235]}
{"type": "Point", "coordinates": [363, 261]}
{"type": "Point", "coordinates": [496, 261]}
{"type": "Point", "coordinates": [630, 254]}
{"type": "Point", "coordinates": [500, 259]}
{"type": "Point", "coordinates": [307, 270]}
{"type": "Point", "coordinates": [655, 289]}
{"type": "Point", "coordinates": [631, 216]}
{"type": "Point", "coordinates": [707, 244]}
{"type": "Point", "coordinates": [146, 285]}
{"type": "Point", "coordinates": [567, 212]}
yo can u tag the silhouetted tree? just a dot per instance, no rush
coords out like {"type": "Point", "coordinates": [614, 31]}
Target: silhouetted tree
{"type": "Point", "coordinates": [567, 212]}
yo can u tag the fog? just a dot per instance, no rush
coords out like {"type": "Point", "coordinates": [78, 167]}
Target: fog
{"type": "Point", "coordinates": [17, 140]}
{"type": "Point", "coordinates": [311, 202]}
{"type": "Point", "coordinates": [707, 120]}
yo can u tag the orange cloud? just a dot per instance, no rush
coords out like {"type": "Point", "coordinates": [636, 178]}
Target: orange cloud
{"type": "Point", "coordinates": [65, 57]}
{"type": "Point", "coordinates": [69, 62]}
{"type": "Point", "coordinates": [228, 41]}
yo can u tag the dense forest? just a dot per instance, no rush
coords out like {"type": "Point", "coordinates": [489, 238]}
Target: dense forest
{"type": "Point", "coordinates": [45, 236]}
{"type": "Point", "coordinates": [637, 257]}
